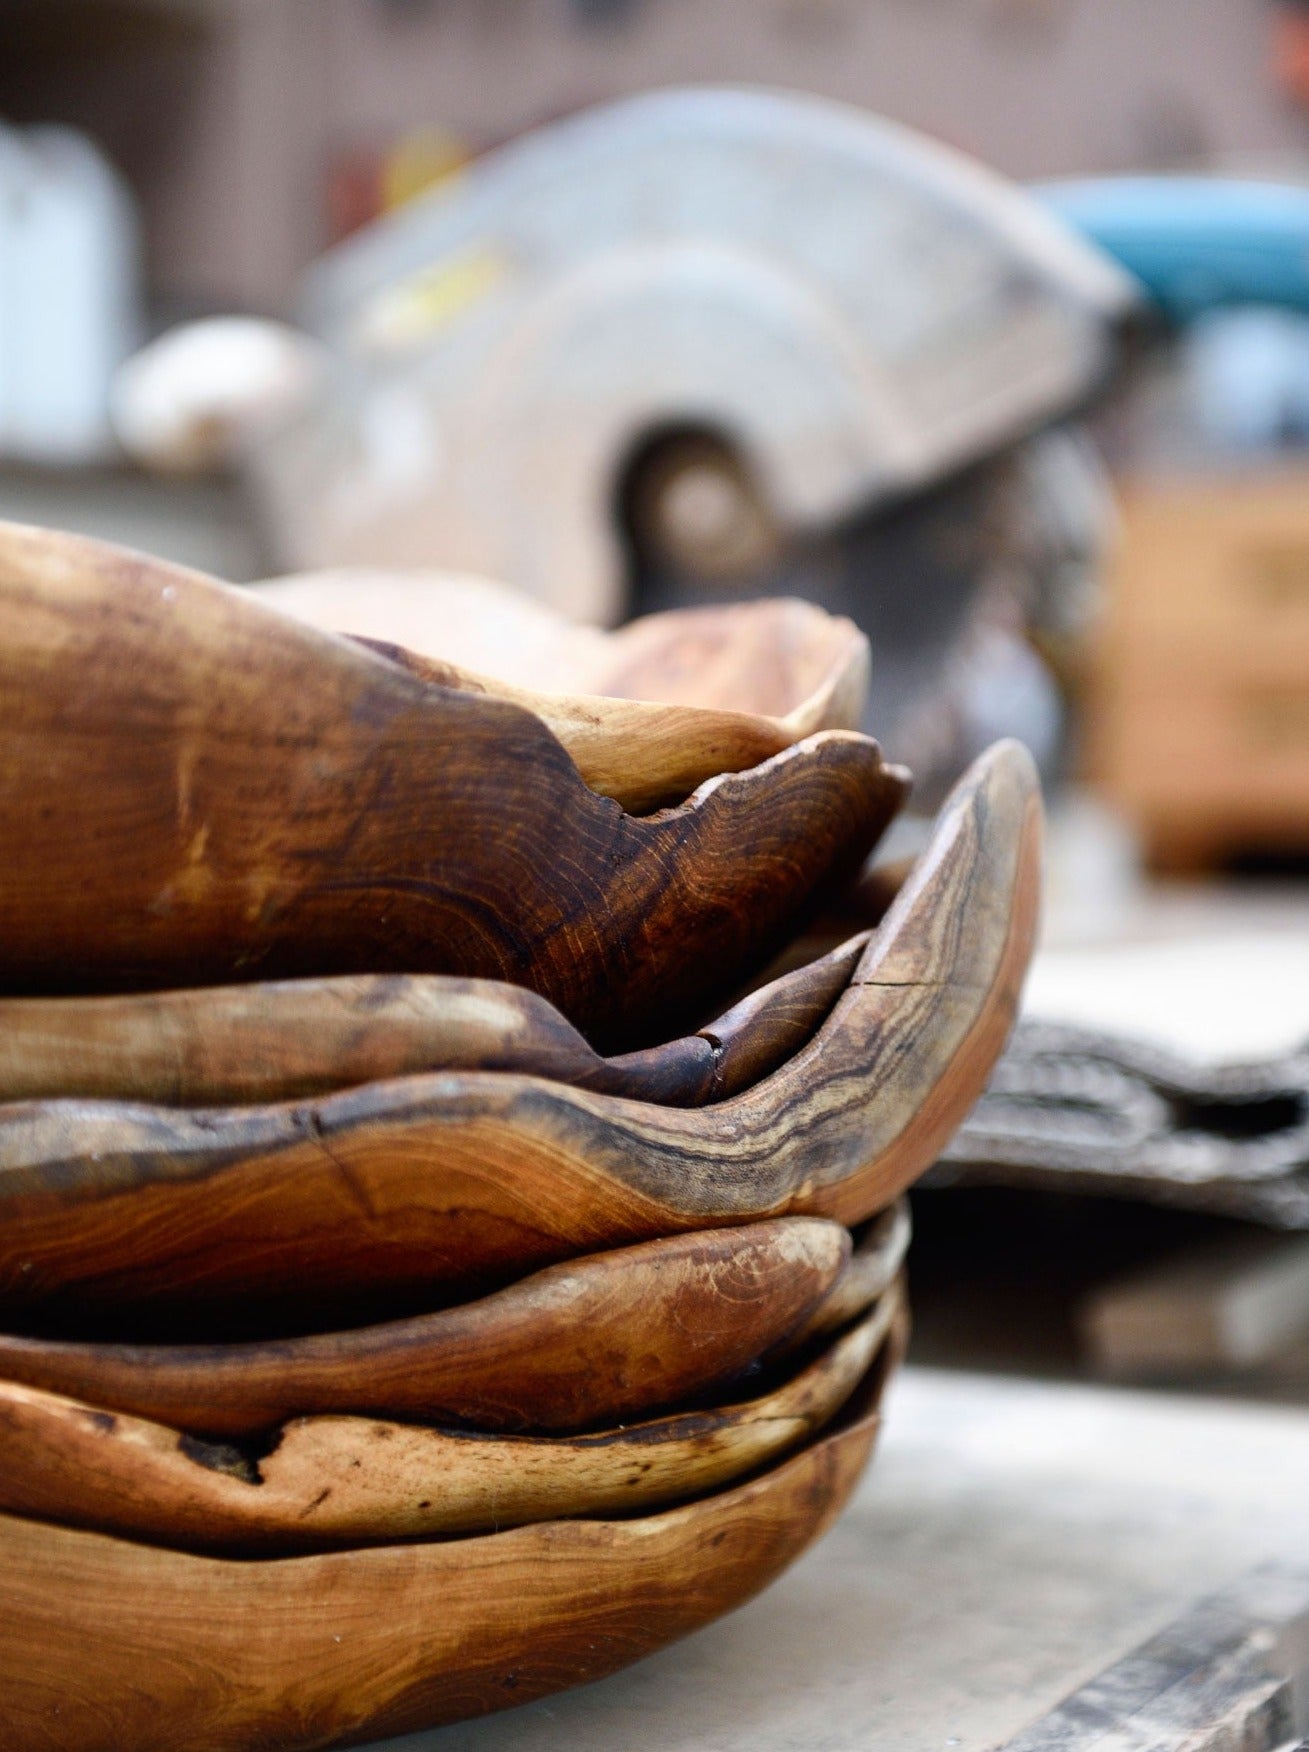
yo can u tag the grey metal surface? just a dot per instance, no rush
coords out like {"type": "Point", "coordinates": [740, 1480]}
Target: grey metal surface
{"type": "Point", "coordinates": [858, 309]}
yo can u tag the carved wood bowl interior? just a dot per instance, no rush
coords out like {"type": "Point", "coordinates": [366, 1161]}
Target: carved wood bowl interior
{"type": "Point", "coordinates": [778, 659]}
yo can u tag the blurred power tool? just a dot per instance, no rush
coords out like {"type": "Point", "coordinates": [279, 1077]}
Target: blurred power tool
{"type": "Point", "coordinates": [694, 345]}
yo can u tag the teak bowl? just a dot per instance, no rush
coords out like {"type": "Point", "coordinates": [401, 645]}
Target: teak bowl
{"type": "Point", "coordinates": [875, 1264]}
{"type": "Point", "coordinates": [105, 1643]}
{"type": "Point", "coordinates": [644, 755]}
{"type": "Point", "coordinates": [199, 788]}
{"type": "Point", "coordinates": [279, 1040]}
{"type": "Point", "coordinates": [348, 1481]}
{"type": "Point", "coordinates": [448, 1183]}
{"type": "Point", "coordinates": [596, 1340]}
{"type": "Point", "coordinates": [784, 663]}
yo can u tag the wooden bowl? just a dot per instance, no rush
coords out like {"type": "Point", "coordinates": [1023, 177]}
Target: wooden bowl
{"type": "Point", "coordinates": [324, 1482]}
{"type": "Point", "coordinates": [643, 754]}
{"type": "Point", "coordinates": [105, 1643]}
{"type": "Point", "coordinates": [201, 789]}
{"type": "Point", "coordinates": [277, 1040]}
{"type": "Point", "coordinates": [779, 660]}
{"type": "Point", "coordinates": [579, 1345]}
{"type": "Point", "coordinates": [447, 1183]}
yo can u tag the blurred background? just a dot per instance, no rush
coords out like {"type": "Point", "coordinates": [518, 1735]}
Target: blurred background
{"type": "Point", "coordinates": [985, 322]}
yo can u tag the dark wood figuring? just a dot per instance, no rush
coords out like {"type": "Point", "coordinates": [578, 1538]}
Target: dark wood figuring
{"type": "Point", "coordinates": [644, 755]}
{"type": "Point", "coordinates": [858, 907]}
{"type": "Point", "coordinates": [197, 788]}
{"type": "Point", "coordinates": [451, 1182]}
{"type": "Point", "coordinates": [109, 1644]}
{"type": "Point", "coordinates": [770, 1025]}
{"type": "Point", "coordinates": [779, 656]}
{"type": "Point", "coordinates": [345, 1481]}
{"type": "Point", "coordinates": [278, 1040]}
{"type": "Point", "coordinates": [586, 1343]}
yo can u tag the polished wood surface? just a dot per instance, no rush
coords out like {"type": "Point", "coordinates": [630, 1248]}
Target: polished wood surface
{"type": "Point", "coordinates": [876, 1263]}
{"type": "Point", "coordinates": [642, 754]}
{"type": "Point", "coordinates": [106, 1644]}
{"type": "Point", "coordinates": [451, 1182]}
{"type": "Point", "coordinates": [199, 788]}
{"type": "Point", "coordinates": [589, 1342]}
{"type": "Point", "coordinates": [333, 1481]}
{"type": "Point", "coordinates": [340, 986]}
{"type": "Point", "coordinates": [276, 1040]}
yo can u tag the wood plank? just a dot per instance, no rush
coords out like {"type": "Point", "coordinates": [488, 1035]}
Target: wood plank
{"type": "Point", "coordinates": [1231, 1673]}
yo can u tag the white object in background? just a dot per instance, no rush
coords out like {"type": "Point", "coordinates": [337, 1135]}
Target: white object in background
{"type": "Point", "coordinates": [1214, 999]}
{"type": "Point", "coordinates": [69, 295]}
{"type": "Point", "coordinates": [195, 398]}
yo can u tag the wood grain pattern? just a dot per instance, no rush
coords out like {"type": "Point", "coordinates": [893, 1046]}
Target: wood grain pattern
{"type": "Point", "coordinates": [464, 1179]}
{"type": "Point", "coordinates": [644, 755]}
{"type": "Point", "coordinates": [345, 1481]}
{"type": "Point", "coordinates": [874, 1266]}
{"type": "Point", "coordinates": [779, 658]}
{"type": "Point", "coordinates": [858, 907]}
{"type": "Point", "coordinates": [109, 1644]}
{"type": "Point", "coordinates": [276, 1040]}
{"type": "Point", "coordinates": [589, 1342]}
{"type": "Point", "coordinates": [198, 788]}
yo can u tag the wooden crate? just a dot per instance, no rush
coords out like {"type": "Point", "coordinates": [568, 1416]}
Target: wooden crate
{"type": "Point", "coordinates": [1199, 723]}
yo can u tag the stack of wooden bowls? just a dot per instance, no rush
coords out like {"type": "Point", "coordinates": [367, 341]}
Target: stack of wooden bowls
{"type": "Point", "coordinates": [449, 1239]}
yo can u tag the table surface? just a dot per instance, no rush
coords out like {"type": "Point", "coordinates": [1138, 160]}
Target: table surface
{"type": "Point", "coordinates": [1011, 1539]}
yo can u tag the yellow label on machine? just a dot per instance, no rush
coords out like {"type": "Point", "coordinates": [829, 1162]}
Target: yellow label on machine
{"type": "Point", "coordinates": [422, 303]}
